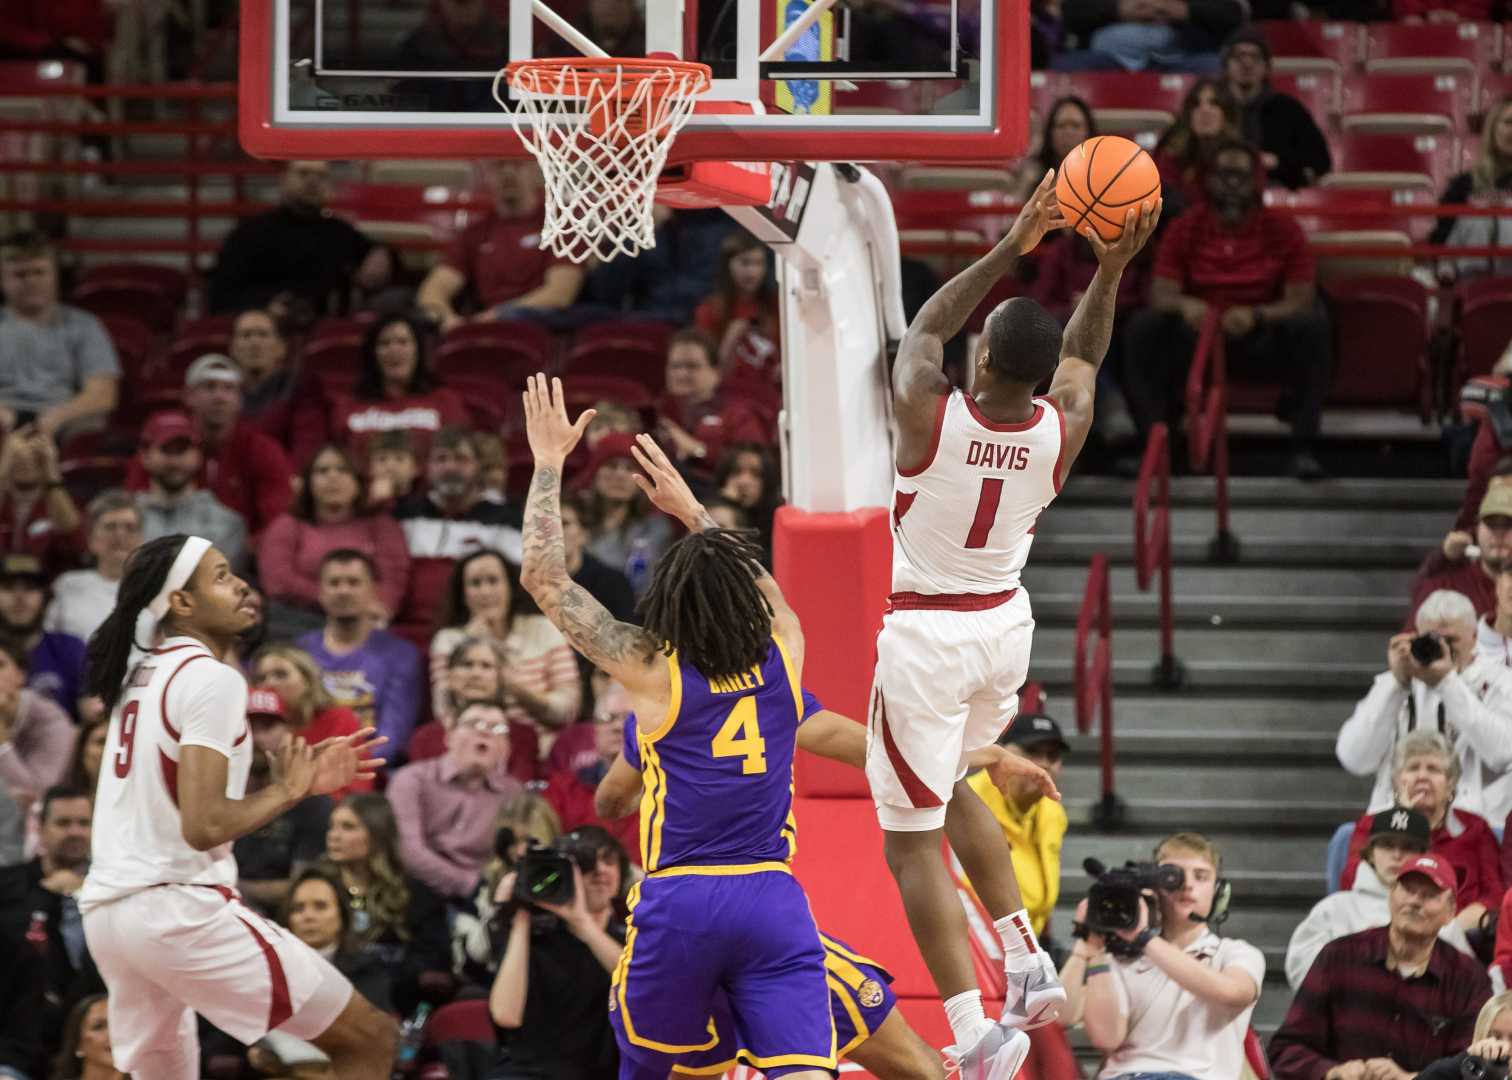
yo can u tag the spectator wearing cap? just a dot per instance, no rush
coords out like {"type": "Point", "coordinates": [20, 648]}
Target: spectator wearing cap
{"type": "Point", "coordinates": [376, 674]}
{"type": "Point", "coordinates": [1425, 778]}
{"type": "Point", "coordinates": [1396, 836]}
{"type": "Point", "coordinates": [396, 391]}
{"type": "Point", "coordinates": [82, 598]}
{"type": "Point", "coordinates": [499, 267]}
{"type": "Point", "coordinates": [446, 806]}
{"type": "Point", "coordinates": [1233, 255]}
{"type": "Point", "coordinates": [1388, 1001]}
{"type": "Point", "coordinates": [625, 532]}
{"type": "Point", "coordinates": [695, 419]}
{"type": "Point", "coordinates": [36, 746]}
{"type": "Point", "coordinates": [570, 789]}
{"type": "Point", "coordinates": [1292, 148]}
{"type": "Point", "coordinates": [1452, 567]}
{"type": "Point", "coordinates": [1034, 826]}
{"type": "Point", "coordinates": [58, 368]}
{"type": "Point", "coordinates": [244, 469]}
{"type": "Point", "coordinates": [298, 260]}
{"type": "Point", "coordinates": [1462, 694]}
{"type": "Point", "coordinates": [37, 514]}
{"type": "Point", "coordinates": [174, 502]}
{"type": "Point", "coordinates": [55, 662]}
{"type": "Point", "coordinates": [268, 858]}
{"type": "Point", "coordinates": [331, 512]}
{"type": "Point", "coordinates": [452, 516]}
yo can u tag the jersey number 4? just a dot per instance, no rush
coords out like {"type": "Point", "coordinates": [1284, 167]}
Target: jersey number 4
{"type": "Point", "coordinates": [981, 524]}
{"type": "Point", "coordinates": [740, 736]}
{"type": "Point", "coordinates": [128, 738]}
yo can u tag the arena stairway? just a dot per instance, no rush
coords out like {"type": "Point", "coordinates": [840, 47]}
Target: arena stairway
{"type": "Point", "coordinates": [1276, 648]}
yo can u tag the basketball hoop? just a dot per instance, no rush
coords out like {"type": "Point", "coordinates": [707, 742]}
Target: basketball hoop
{"type": "Point", "coordinates": [600, 129]}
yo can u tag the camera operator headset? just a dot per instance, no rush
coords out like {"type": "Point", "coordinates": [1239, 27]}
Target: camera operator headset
{"type": "Point", "coordinates": [1490, 1047]}
{"type": "Point", "coordinates": [565, 936]}
{"type": "Point", "coordinates": [1157, 990]}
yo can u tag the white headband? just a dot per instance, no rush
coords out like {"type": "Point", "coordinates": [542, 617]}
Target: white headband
{"type": "Point", "coordinates": [179, 573]}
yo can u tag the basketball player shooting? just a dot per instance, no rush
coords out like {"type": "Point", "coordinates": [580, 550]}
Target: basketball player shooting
{"type": "Point", "coordinates": [161, 914]}
{"type": "Point", "coordinates": [974, 470]}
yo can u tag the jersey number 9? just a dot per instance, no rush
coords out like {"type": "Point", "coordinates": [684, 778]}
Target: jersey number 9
{"type": "Point", "coordinates": [128, 739]}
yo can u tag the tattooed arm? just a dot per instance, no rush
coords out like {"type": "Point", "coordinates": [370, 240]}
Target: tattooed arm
{"type": "Point", "coordinates": [624, 651]}
{"type": "Point", "coordinates": [1088, 333]}
{"type": "Point", "coordinates": [918, 382]}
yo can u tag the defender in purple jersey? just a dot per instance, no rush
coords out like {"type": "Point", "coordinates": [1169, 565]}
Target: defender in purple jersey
{"type": "Point", "coordinates": [714, 675]}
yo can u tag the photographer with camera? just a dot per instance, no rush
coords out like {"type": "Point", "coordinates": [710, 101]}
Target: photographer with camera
{"type": "Point", "coordinates": [1159, 992]}
{"type": "Point", "coordinates": [565, 936]}
{"type": "Point", "coordinates": [1470, 559]}
{"type": "Point", "coordinates": [1384, 1003]}
{"type": "Point", "coordinates": [1437, 681]}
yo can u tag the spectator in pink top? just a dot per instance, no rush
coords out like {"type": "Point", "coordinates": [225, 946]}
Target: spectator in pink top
{"type": "Point", "coordinates": [330, 514]}
{"type": "Point", "coordinates": [36, 745]}
{"type": "Point", "coordinates": [500, 261]}
{"type": "Point", "coordinates": [396, 391]}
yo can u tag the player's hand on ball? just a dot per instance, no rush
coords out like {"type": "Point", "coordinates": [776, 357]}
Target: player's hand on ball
{"type": "Point", "coordinates": [1139, 226]}
{"type": "Point", "coordinates": [343, 758]}
{"type": "Point", "coordinates": [552, 436]}
{"type": "Point", "coordinates": [1007, 768]}
{"type": "Point", "coordinates": [1040, 215]}
{"type": "Point", "coordinates": [663, 484]}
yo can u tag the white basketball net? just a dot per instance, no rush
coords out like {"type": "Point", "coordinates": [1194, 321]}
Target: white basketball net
{"type": "Point", "coordinates": [601, 143]}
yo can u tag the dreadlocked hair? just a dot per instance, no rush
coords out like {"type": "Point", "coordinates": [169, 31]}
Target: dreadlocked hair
{"type": "Point", "coordinates": [110, 646]}
{"type": "Point", "coordinates": [703, 602]}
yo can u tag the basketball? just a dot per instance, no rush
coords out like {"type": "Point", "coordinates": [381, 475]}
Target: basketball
{"type": "Point", "coordinates": [1101, 180]}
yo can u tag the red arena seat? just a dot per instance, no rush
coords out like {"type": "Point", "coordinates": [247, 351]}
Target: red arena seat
{"type": "Point", "coordinates": [1485, 312]}
{"type": "Point", "coordinates": [1407, 104]}
{"type": "Point", "coordinates": [1380, 342]}
{"type": "Point", "coordinates": [1299, 45]}
{"type": "Point", "coordinates": [1368, 160]}
{"type": "Point", "coordinates": [1464, 47]}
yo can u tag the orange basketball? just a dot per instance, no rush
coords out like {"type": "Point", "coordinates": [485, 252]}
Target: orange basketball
{"type": "Point", "coordinates": [1101, 180]}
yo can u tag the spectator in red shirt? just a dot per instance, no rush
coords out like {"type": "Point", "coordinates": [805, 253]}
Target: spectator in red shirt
{"type": "Point", "coordinates": [396, 391]}
{"type": "Point", "coordinates": [1209, 113]}
{"type": "Point", "coordinates": [37, 514]}
{"type": "Point", "coordinates": [1450, 567]}
{"type": "Point", "coordinates": [1425, 778]}
{"type": "Point", "coordinates": [243, 468]}
{"type": "Point", "coordinates": [570, 790]}
{"type": "Point", "coordinates": [695, 419]}
{"type": "Point", "coordinates": [500, 261]}
{"type": "Point", "coordinates": [1252, 266]}
{"type": "Point", "coordinates": [742, 313]}
{"type": "Point", "coordinates": [331, 513]}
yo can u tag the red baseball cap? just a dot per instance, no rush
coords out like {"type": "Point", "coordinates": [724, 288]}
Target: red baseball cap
{"type": "Point", "coordinates": [163, 428]}
{"type": "Point", "coordinates": [1434, 869]}
{"type": "Point", "coordinates": [266, 702]}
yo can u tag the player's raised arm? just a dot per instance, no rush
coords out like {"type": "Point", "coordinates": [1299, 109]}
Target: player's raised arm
{"type": "Point", "coordinates": [622, 650]}
{"type": "Point", "coordinates": [1090, 329]}
{"type": "Point", "coordinates": [917, 379]}
{"type": "Point", "coordinates": [670, 493]}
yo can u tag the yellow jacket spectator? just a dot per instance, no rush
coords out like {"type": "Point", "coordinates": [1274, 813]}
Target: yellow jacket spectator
{"type": "Point", "coordinates": [1035, 826]}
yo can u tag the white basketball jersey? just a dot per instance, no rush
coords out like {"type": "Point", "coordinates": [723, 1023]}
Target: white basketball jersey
{"type": "Point", "coordinates": [963, 522]}
{"type": "Point", "coordinates": [178, 695]}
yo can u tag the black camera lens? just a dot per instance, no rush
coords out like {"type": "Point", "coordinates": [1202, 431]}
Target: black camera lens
{"type": "Point", "coordinates": [1426, 649]}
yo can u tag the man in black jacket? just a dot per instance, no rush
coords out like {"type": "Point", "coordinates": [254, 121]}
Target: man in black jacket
{"type": "Point", "coordinates": [1148, 35]}
{"type": "Point", "coordinates": [1293, 149]}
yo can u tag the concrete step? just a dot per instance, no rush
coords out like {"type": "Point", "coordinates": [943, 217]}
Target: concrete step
{"type": "Point", "coordinates": [1249, 522]}
{"type": "Point", "coordinates": [1242, 582]}
{"type": "Point", "coordinates": [1133, 673]}
{"type": "Point", "coordinates": [1381, 613]}
{"type": "Point", "coordinates": [1243, 853]}
{"type": "Point", "coordinates": [1267, 491]}
{"type": "Point", "coordinates": [1223, 644]}
{"type": "Point", "coordinates": [1263, 924]}
{"type": "Point", "coordinates": [1387, 550]}
{"type": "Point", "coordinates": [1142, 711]}
{"type": "Point", "coordinates": [1188, 813]}
{"type": "Point", "coordinates": [1222, 745]}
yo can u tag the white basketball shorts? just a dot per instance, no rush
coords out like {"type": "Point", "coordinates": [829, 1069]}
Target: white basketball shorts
{"type": "Point", "coordinates": [947, 681]}
{"type": "Point", "coordinates": [168, 952]}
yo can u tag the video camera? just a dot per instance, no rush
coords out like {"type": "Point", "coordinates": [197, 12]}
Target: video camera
{"type": "Point", "coordinates": [543, 875]}
{"type": "Point", "coordinates": [1427, 649]}
{"type": "Point", "coordinates": [1474, 1068]}
{"type": "Point", "coordinates": [1113, 902]}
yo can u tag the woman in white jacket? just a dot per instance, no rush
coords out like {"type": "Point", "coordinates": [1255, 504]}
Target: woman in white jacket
{"type": "Point", "coordinates": [1464, 695]}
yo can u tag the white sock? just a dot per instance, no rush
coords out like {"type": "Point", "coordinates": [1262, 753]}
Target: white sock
{"type": "Point", "coordinates": [967, 1020]}
{"type": "Point", "coordinates": [1020, 946]}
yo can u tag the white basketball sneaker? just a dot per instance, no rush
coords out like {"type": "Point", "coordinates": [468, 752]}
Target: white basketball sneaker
{"type": "Point", "coordinates": [1034, 996]}
{"type": "Point", "coordinates": [998, 1055]}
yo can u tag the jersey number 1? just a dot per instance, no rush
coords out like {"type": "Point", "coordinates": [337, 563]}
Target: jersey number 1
{"type": "Point", "coordinates": [986, 512]}
{"type": "Point", "coordinates": [128, 739]}
{"type": "Point", "coordinates": [740, 737]}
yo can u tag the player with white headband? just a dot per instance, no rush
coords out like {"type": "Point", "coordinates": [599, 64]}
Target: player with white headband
{"type": "Point", "coordinates": [161, 913]}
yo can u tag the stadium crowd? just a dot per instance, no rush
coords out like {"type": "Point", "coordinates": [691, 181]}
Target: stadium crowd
{"type": "Point", "coordinates": [351, 447]}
